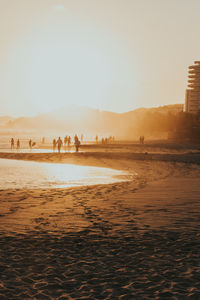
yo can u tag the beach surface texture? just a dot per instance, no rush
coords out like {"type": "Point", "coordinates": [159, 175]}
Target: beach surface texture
{"type": "Point", "coordinates": [137, 239]}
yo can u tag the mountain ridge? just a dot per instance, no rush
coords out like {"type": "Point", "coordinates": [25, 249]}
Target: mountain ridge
{"type": "Point", "coordinates": [85, 119]}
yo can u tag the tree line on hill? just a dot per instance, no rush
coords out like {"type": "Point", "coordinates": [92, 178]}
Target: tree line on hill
{"type": "Point", "coordinates": [181, 126]}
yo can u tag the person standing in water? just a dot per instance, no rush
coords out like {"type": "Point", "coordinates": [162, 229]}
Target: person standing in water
{"type": "Point", "coordinates": [18, 144]}
{"type": "Point", "coordinates": [59, 143]}
{"type": "Point", "coordinates": [12, 143]}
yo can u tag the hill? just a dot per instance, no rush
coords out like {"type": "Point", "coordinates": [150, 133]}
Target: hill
{"type": "Point", "coordinates": [92, 121]}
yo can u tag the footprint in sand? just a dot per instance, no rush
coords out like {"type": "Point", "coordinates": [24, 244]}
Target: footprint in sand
{"type": "Point", "coordinates": [14, 209]}
{"type": "Point", "coordinates": [39, 220]}
{"type": "Point", "coordinates": [98, 194]}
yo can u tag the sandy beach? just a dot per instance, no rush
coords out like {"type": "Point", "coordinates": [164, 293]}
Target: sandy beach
{"type": "Point", "coordinates": [129, 240]}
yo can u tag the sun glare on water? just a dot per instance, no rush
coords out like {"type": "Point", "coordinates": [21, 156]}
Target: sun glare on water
{"type": "Point", "coordinates": [17, 174]}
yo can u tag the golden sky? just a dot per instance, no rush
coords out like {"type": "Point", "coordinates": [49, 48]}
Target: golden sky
{"type": "Point", "coordinates": [113, 55]}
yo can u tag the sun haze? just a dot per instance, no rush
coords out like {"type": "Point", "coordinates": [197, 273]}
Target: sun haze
{"type": "Point", "coordinates": [108, 54]}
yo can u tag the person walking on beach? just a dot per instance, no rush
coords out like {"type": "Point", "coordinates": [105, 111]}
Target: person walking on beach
{"type": "Point", "coordinates": [18, 144]}
{"type": "Point", "coordinates": [75, 138]}
{"type": "Point", "coordinates": [142, 139]}
{"type": "Point", "coordinates": [77, 144]}
{"type": "Point", "coordinates": [12, 143]}
{"type": "Point", "coordinates": [59, 143]}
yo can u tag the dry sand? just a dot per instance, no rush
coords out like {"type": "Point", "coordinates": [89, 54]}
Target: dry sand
{"type": "Point", "coordinates": [128, 240]}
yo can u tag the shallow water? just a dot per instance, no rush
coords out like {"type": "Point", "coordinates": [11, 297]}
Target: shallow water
{"type": "Point", "coordinates": [38, 150]}
{"type": "Point", "coordinates": [17, 174]}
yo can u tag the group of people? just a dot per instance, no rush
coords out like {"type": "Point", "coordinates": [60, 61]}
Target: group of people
{"type": "Point", "coordinates": [56, 143]}
{"type": "Point", "coordinates": [105, 141]}
{"type": "Point", "coordinates": [12, 144]}
{"type": "Point", "coordinates": [67, 142]}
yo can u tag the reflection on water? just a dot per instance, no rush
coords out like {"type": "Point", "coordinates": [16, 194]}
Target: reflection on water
{"type": "Point", "coordinates": [16, 174]}
{"type": "Point", "coordinates": [37, 150]}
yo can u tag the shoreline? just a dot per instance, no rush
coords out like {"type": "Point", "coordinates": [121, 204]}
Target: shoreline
{"type": "Point", "coordinates": [150, 173]}
{"type": "Point", "coordinates": [127, 240]}
{"type": "Point", "coordinates": [191, 157]}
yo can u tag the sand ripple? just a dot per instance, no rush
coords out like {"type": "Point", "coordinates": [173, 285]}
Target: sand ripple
{"type": "Point", "coordinates": [149, 265]}
{"type": "Point", "coordinates": [132, 240]}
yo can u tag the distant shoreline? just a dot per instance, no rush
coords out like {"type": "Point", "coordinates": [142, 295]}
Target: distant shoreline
{"type": "Point", "coordinates": [190, 157]}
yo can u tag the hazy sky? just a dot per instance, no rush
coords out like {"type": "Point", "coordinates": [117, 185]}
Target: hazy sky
{"type": "Point", "coordinates": [109, 54]}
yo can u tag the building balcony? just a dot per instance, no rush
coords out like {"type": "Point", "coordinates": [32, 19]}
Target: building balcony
{"type": "Point", "coordinates": [195, 83]}
{"type": "Point", "coordinates": [194, 67]}
{"type": "Point", "coordinates": [194, 72]}
{"type": "Point", "coordinates": [194, 80]}
{"type": "Point", "coordinates": [194, 97]}
{"type": "Point", "coordinates": [193, 76]}
{"type": "Point", "coordinates": [194, 93]}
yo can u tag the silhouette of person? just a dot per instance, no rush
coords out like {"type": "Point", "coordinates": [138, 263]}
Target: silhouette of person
{"type": "Point", "coordinates": [77, 144]}
{"type": "Point", "coordinates": [142, 139]}
{"type": "Point", "coordinates": [59, 143]}
{"type": "Point", "coordinates": [65, 140]}
{"type": "Point", "coordinates": [30, 144]}
{"type": "Point", "coordinates": [12, 143]}
{"type": "Point", "coordinates": [97, 139]}
{"type": "Point", "coordinates": [18, 144]}
{"type": "Point", "coordinates": [75, 138]}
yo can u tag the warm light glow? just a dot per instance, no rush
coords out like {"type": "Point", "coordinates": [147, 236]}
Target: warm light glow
{"type": "Point", "coordinates": [111, 55]}
{"type": "Point", "coordinates": [26, 174]}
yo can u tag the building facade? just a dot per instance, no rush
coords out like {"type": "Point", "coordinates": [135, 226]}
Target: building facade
{"type": "Point", "coordinates": [192, 95]}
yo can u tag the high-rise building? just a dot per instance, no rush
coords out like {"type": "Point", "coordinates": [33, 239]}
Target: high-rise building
{"type": "Point", "coordinates": [192, 96]}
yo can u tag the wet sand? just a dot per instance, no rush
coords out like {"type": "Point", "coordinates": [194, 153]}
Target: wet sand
{"type": "Point", "coordinates": [128, 240]}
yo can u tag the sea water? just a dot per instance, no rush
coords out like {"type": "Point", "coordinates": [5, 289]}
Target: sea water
{"type": "Point", "coordinates": [19, 174]}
